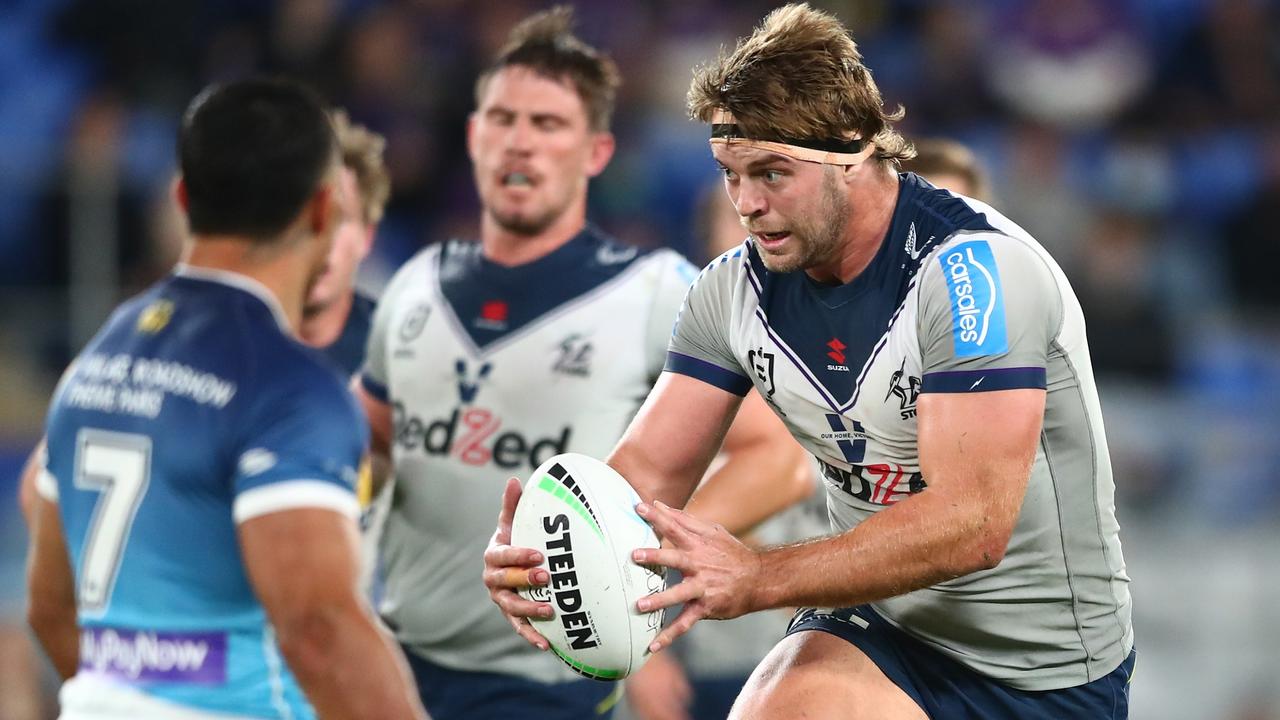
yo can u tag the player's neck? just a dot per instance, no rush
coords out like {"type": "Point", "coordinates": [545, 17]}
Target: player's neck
{"type": "Point", "coordinates": [505, 247]}
{"type": "Point", "coordinates": [869, 221]}
{"type": "Point", "coordinates": [322, 328]}
{"type": "Point", "coordinates": [276, 269]}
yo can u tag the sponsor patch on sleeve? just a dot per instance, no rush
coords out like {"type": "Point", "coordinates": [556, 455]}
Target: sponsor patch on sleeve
{"type": "Point", "coordinates": [977, 301]}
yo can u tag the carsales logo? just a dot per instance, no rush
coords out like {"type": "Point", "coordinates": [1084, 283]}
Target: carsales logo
{"type": "Point", "coordinates": [977, 302]}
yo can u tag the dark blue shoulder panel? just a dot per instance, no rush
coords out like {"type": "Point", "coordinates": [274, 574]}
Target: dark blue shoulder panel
{"type": "Point", "coordinates": [493, 301]}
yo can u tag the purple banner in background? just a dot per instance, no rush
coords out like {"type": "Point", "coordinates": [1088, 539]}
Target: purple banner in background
{"type": "Point", "coordinates": [143, 656]}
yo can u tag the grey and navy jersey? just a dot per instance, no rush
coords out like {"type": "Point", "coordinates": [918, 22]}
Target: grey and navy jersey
{"type": "Point", "coordinates": [192, 410]}
{"type": "Point", "coordinates": [957, 299]}
{"type": "Point", "coordinates": [490, 370]}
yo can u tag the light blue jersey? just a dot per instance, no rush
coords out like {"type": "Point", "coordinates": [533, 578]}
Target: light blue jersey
{"type": "Point", "coordinates": [191, 411]}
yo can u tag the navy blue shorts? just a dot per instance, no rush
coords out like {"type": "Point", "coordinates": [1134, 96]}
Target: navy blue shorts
{"type": "Point", "coordinates": [946, 689]}
{"type": "Point", "coordinates": [458, 695]}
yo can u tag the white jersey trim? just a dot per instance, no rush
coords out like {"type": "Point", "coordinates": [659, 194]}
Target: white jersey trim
{"type": "Point", "coordinates": [91, 697]}
{"type": "Point", "coordinates": [240, 282]}
{"type": "Point", "coordinates": [294, 495]}
{"type": "Point", "coordinates": [47, 486]}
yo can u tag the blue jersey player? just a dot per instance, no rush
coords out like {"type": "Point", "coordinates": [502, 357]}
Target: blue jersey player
{"type": "Point", "coordinates": [194, 548]}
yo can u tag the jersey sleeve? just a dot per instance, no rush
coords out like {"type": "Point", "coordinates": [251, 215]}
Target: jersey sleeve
{"type": "Point", "coordinates": [674, 276]}
{"type": "Point", "coordinates": [46, 483]}
{"type": "Point", "coordinates": [374, 373]}
{"type": "Point", "coordinates": [301, 446]}
{"type": "Point", "coordinates": [989, 309]}
{"type": "Point", "coordinates": [700, 344]}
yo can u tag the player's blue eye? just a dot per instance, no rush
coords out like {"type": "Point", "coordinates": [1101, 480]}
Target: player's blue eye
{"type": "Point", "coordinates": [772, 176]}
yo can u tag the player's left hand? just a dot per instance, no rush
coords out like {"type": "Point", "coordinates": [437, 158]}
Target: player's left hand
{"type": "Point", "coordinates": [719, 571]}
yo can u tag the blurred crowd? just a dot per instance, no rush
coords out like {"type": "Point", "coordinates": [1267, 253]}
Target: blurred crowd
{"type": "Point", "coordinates": [1139, 140]}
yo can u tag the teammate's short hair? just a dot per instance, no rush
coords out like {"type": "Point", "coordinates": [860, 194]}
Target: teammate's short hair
{"type": "Point", "coordinates": [939, 156]}
{"type": "Point", "coordinates": [798, 79]}
{"type": "Point", "coordinates": [362, 151]}
{"type": "Point", "coordinates": [544, 42]}
{"type": "Point", "coordinates": [252, 153]}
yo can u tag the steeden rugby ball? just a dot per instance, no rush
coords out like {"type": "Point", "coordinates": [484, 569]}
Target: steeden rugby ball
{"type": "Point", "coordinates": [581, 514]}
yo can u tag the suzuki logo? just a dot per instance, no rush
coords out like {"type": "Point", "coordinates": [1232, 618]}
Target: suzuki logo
{"type": "Point", "coordinates": [837, 350]}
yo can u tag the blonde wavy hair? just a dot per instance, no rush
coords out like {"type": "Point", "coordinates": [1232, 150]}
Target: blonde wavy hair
{"type": "Point", "coordinates": [799, 76]}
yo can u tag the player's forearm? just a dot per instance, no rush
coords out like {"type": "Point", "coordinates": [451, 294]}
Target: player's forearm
{"type": "Point", "coordinates": [753, 484]}
{"type": "Point", "coordinates": [379, 473]}
{"type": "Point", "coordinates": [27, 484]}
{"type": "Point", "coordinates": [673, 438]}
{"type": "Point", "coordinates": [922, 541]}
{"type": "Point", "coordinates": [56, 630]}
{"type": "Point", "coordinates": [654, 479]}
{"type": "Point", "coordinates": [348, 666]}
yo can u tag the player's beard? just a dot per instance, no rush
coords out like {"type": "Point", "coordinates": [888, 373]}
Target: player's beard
{"type": "Point", "coordinates": [816, 234]}
{"type": "Point", "coordinates": [529, 225]}
{"type": "Point", "coordinates": [518, 224]}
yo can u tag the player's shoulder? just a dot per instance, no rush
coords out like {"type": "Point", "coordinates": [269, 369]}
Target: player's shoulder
{"type": "Point", "coordinates": [236, 328]}
{"type": "Point", "coordinates": [603, 256]}
{"type": "Point", "coordinates": [288, 365]}
{"type": "Point", "coordinates": [731, 267]}
{"type": "Point", "coordinates": [669, 262]}
{"type": "Point", "coordinates": [1005, 245]}
{"type": "Point", "coordinates": [416, 270]}
{"type": "Point", "coordinates": [148, 309]}
{"type": "Point", "coordinates": [946, 223]}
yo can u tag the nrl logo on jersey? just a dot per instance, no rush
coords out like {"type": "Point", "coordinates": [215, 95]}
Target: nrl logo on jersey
{"type": "Point", "coordinates": [761, 364]}
{"type": "Point", "coordinates": [414, 322]}
{"type": "Point", "coordinates": [575, 356]}
{"type": "Point", "coordinates": [410, 328]}
{"type": "Point", "coordinates": [906, 388]}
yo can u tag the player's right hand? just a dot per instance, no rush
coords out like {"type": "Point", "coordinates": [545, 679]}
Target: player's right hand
{"type": "Point", "coordinates": [508, 568]}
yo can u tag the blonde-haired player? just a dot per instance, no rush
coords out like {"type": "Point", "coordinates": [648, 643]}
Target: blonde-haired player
{"type": "Point", "coordinates": [932, 356]}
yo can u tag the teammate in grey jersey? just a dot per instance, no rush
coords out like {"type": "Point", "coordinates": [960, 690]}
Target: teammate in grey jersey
{"type": "Point", "coordinates": [932, 357]}
{"type": "Point", "coordinates": [487, 358]}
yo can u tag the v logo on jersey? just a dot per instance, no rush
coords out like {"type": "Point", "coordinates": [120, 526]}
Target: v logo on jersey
{"type": "Point", "coordinates": [468, 386]}
{"type": "Point", "coordinates": [851, 442]}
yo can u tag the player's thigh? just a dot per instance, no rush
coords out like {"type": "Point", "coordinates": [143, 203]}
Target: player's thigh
{"type": "Point", "coordinates": [818, 676]}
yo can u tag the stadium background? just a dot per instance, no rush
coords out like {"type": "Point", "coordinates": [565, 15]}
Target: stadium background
{"type": "Point", "coordinates": [1138, 139]}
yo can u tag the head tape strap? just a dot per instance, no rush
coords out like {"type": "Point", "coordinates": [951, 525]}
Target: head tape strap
{"type": "Point", "coordinates": [829, 151]}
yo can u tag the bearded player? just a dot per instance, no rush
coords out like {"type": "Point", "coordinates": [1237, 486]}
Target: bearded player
{"type": "Point", "coordinates": [932, 356]}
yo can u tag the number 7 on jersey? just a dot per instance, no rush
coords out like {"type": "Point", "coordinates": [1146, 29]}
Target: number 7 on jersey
{"type": "Point", "coordinates": [117, 465]}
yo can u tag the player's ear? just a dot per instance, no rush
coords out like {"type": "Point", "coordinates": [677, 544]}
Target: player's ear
{"type": "Point", "coordinates": [471, 137]}
{"type": "Point", "coordinates": [602, 147]}
{"type": "Point", "coordinates": [322, 210]}
{"type": "Point", "coordinates": [180, 194]}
